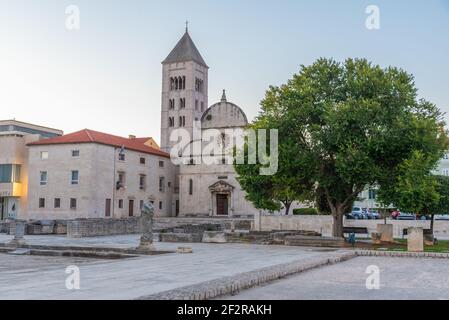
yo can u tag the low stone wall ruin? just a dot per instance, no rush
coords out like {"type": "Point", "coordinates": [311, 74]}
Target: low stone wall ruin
{"type": "Point", "coordinates": [102, 227]}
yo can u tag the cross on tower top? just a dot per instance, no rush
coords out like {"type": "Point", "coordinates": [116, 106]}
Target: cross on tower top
{"type": "Point", "coordinates": [187, 25]}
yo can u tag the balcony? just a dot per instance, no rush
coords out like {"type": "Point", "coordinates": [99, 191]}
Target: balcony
{"type": "Point", "coordinates": [12, 189]}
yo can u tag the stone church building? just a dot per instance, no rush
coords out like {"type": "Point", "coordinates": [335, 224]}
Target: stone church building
{"type": "Point", "coordinates": [204, 189]}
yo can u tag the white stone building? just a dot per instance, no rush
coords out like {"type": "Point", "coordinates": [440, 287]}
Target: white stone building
{"type": "Point", "coordinates": [204, 189]}
{"type": "Point", "coordinates": [14, 136]}
{"type": "Point", "coordinates": [89, 174]}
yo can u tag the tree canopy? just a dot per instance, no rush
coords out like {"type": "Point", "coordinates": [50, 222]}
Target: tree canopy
{"type": "Point", "coordinates": [346, 126]}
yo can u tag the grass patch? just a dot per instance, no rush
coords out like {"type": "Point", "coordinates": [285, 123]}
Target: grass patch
{"type": "Point", "coordinates": [400, 245]}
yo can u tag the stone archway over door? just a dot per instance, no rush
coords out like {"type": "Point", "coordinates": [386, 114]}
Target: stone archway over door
{"type": "Point", "coordinates": [221, 203]}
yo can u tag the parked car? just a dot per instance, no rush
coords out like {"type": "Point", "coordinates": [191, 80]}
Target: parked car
{"type": "Point", "coordinates": [406, 216]}
{"type": "Point", "coordinates": [357, 213]}
{"type": "Point", "coordinates": [442, 217]}
{"type": "Point", "coordinates": [423, 217]}
{"type": "Point", "coordinates": [373, 214]}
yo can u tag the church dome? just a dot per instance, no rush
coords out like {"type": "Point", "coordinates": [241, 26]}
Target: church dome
{"type": "Point", "coordinates": [223, 114]}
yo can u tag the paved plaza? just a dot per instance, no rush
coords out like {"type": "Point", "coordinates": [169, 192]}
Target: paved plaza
{"type": "Point", "coordinates": [36, 277]}
{"type": "Point", "coordinates": [41, 277]}
{"type": "Point", "coordinates": [400, 279]}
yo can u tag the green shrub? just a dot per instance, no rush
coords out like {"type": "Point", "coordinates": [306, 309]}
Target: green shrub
{"type": "Point", "coordinates": [305, 212]}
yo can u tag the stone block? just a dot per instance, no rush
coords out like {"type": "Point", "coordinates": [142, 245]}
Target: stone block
{"type": "Point", "coordinates": [179, 237]}
{"type": "Point", "coordinates": [214, 237]}
{"type": "Point", "coordinates": [386, 232]}
{"type": "Point", "coordinates": [308, 241]}
{"type": "Point", "coordinates": [415, 240]}
{"type": "Point", "coordinates": [60, 229]}
{"type": "Point", "coordinates": [184, 250]}
{"type": "Point", "coordinates": [376, 238]}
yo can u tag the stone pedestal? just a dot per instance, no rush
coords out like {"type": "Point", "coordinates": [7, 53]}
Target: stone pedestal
{"type": "Point", "coordinates": [19, 232]}
{"type": "Point", "coordinates": [386, 232]}
{"type": "Point", "coordinates": [415, 241]}
{"type": "Point", "coordinates": [145, 246]}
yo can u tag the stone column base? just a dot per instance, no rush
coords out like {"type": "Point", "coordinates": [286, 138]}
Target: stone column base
{"type": "Point", "coordinates": [16, 243]}
{"type": "Point", "coordinates": [146, 247]}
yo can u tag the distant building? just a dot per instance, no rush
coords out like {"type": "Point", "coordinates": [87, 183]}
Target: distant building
{"type": "Point", "coordinates": [14, 136]}
{"type": "Point", "coordinates": [90, 174]}
{"type": "Point", "coordinates": [368, 197]}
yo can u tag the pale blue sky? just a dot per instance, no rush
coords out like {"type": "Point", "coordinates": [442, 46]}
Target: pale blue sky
{"type": "Point", "coordinates": [107, 75]}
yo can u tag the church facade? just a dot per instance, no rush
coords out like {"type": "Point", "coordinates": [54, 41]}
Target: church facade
{"type": "Point", "coordinates": [205, 189]}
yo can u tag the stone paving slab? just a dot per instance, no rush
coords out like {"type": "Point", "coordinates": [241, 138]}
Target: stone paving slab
{"type": "Point", "coordinates": [400, 279]}
{"type": "Point", "coordinates": [233, 284]}
{"type": "Point", "coordinates": [34, 277]}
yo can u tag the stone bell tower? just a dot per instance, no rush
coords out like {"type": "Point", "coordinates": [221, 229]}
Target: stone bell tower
{"type": "Point", "coordinates": [184, 89]}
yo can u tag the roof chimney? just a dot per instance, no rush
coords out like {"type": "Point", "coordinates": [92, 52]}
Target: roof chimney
{"type": "Point", "coordinates": [131, 136]}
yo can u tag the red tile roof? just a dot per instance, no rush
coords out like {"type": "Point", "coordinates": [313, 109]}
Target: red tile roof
{"type": "Point", "coordinates": [91, 136]}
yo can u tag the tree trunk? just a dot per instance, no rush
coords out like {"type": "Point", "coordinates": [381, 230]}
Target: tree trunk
{"type": "Point", "coordinates": [287, 206]}
{"type": "Point", "coordinates": [337, 225]}
{"type": "Point", "coordinates": [432, 222]}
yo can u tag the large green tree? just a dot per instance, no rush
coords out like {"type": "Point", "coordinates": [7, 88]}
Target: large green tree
{"type": "Point", "coordinates": [272, 192]}
{"type": "Point", "coordinates": [353, 124]}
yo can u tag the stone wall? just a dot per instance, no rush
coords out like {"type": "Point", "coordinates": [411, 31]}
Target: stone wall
{"type": "Point", "coordinates": [239, 223]}
{"type": "Point", "coordinates": [320, 224]}
{"type": "Point", "coordinates": [102, 227]}
{"type": "Point", "coordinates": [4, 227]}
{"type": "Point", "coordinates": [107, 227]}
{"type": "Point", "coordinates": [323, 224]}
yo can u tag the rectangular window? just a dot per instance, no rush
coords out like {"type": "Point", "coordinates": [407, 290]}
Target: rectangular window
{"type": "Point", "coordinates": [107, 210]}
{"type": "Point", "coordinates": [372, 194]}
{"type": "Point", "coordinates": [41, 203]}
{"type": "Point", "coordinates": [142, 160]}
{"type": "Point", "coordinates": [121, 155]}
{"type": "Point", "coordinates": [141, 204]}
{"type": "Point", "coordinates": [142, 182]}
{"type": "Point", "coordinates": [75, 153]}
{"type": "Point", "coordinates": [131, 208]}
{"type": "Point", "coordinates": [43, 179]}
{"type": "Point", "coordinates": [161, 164]}
{"type": "Point", "coordinates": [162, 184]}
{"type": "Point", "coordinates": [160, 205]}
{"type": "Point", "coordinates": [190, 186]}
{"type": "Point", "coordinates": [72, 203]}
{"type": "Point", "coordinates": [9, 173]}
{"type": "Point", "coordinates": [57, 203]}
{"type": "Point", "coordinates": [121, 180]}
{"type": "Point", "coordinates": [44, 155]}
{"type": "Point", "coordinates": [75, 177]}
{"type": "Point", "coordinates": [120, 204]}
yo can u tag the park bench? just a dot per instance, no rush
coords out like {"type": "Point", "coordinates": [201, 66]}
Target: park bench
{"type": "Point", "coordinates": [355, 230]}
{"type": "Point", "coordinates": [352, 231]}
{"type": "Point", "coordinates": [426, 232]}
